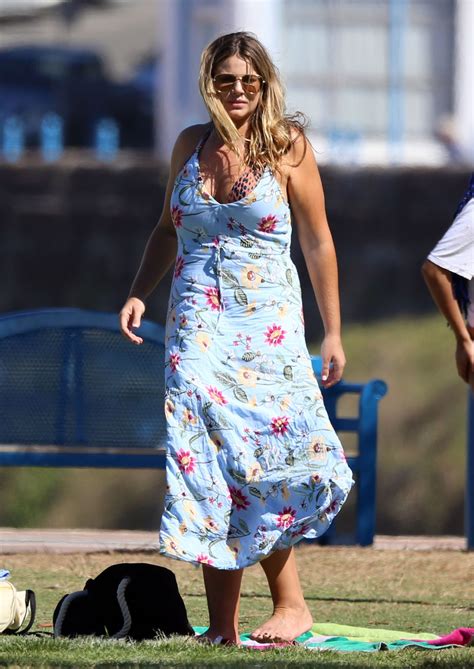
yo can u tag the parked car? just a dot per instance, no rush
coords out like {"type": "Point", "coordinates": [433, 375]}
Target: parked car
{"type": "Point", "coordinates": [71, 82]}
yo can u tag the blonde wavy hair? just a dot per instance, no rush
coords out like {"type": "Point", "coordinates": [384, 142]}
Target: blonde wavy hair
{"type": "Point", "coordinates": [271, 133]}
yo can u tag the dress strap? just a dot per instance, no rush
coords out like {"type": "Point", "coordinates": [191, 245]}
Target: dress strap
{"type": "Point", "coordinates": [203, 140]}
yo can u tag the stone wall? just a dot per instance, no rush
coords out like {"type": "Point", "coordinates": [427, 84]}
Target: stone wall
{"type": "Point", "coordinates": [72, 234]}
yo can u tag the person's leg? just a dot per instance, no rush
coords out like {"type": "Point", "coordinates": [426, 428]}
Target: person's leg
{"type": "Point", "coordinates": [223, 600]}
{"type": "Point", "coordinates": [291, 616]}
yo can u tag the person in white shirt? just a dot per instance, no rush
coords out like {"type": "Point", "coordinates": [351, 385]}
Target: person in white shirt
{"type": "Point", "coordinates": [448, 272]}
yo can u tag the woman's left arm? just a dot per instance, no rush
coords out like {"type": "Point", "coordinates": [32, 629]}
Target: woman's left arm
{"type": "Point", "coordinates": [306, 197]}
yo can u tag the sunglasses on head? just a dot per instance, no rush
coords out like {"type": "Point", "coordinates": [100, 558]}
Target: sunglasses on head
{"type": "Point", "coordinates": [251, 83]}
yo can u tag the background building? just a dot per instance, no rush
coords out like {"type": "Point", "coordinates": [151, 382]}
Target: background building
{"type": "Point", "coordinates": [380, 80]}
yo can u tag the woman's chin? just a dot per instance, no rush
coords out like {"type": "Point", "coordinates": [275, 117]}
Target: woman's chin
{"type": "Point", "coordinates": [239, 115]}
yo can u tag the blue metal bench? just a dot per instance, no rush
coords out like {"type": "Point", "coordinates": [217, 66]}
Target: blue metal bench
{"type": "Point", "coordinates": [75, 393]}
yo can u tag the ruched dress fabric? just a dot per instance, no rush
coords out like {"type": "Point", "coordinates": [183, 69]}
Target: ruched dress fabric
{"type": "Point", "coordinates": [253, 463]}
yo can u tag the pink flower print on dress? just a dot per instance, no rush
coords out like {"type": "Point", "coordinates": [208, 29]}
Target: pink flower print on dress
{"type": "Point", "coordinates": [204, 559]}
{"type": "Point", "coordinates": [175, 359]}
{"type": "Point", "coordinates": [334, 506]}
{"type": "Point", "coordinates": [268, 223]}
{"type": "Point", "coordinates": [301, 531]}
{"type": "Point", "coordinates": [213, 298]}
{"type": "Point", "coordinates": [186, 462]}
{"type": "Point", "coordinates": [279, 424]}
{"type": "Point", "coordinates": [239, 500]}
{"type": "Point", "coordinates": [216, 395]}
{"type": "Point", "coordinates": [177, 216]}
{"type": "Point", "coordinates": [178, 268]}
{"type": "Point", "coordinates": [275, 334]}
{"type": "Point", "coordinates": [286, 517]}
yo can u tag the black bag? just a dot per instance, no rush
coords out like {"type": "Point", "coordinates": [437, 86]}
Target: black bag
{"type": "Point", "coordinates": [134, 600]}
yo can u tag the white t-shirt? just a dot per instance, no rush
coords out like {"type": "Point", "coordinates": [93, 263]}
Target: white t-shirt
{"type": "Point", "coordinates": [455, 251]}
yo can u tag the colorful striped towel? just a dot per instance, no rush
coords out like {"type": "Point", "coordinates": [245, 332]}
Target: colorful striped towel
{"type": "Point", "coordinates": [346, 638]}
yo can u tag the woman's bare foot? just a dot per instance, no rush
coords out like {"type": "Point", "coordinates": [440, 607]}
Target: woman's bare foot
{"type": "Point", "coordinates": [286, 624]}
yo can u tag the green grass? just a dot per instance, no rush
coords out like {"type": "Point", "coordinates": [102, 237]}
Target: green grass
{"type": "Point", "coordinates": [410, 591]}
{"type": "Point", "coordinates": [422, 422]}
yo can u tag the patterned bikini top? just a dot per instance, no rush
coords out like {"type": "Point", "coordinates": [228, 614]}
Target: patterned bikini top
{"type": "Point", "coordinates": [246, 182]}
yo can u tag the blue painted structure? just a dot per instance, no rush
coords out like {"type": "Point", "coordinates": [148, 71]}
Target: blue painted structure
{"type": "Point", "coordinates": [107, 139]}
{"type": "Point", "coordinates": [13, 139]}
{"type": "Point", "coordinates": [75, 393]}
{"type": "Point", "coordinates": [52, 137]}
{"type": "Point", "coordinates": [398, 14]}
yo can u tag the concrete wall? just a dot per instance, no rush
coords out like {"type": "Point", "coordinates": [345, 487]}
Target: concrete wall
{"type": "Point", "coordinates": [72, 234]}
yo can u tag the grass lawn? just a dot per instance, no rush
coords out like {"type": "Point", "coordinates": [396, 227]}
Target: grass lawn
{"type": "Point", "coordinates": [404, 590]}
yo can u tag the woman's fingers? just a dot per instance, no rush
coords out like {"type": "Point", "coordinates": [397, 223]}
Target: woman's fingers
{"type": "Point", "coordinates": [465, 359]}
{"type": "Point", "coordinates": [325, 370]}
{"type": "Point", "coordinates": [333, 361]}
{"type": "Point", "coordinates": [334, 374]}
{"type": "Point", "coordinates": [130, 317]}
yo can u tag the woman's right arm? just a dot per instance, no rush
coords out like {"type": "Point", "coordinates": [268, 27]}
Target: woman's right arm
{"type": "Point", "coordinates": [438, 281]}
{"type": "Point", "coordinates": [160, 250]}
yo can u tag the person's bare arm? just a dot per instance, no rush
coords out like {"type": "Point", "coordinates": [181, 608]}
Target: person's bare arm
{"type": "Point", "coordinates": [306, 197]}
{"type": "Point", "coordinates": [160, 250]}
{"type": "Point", "coordinates": [439, 283]}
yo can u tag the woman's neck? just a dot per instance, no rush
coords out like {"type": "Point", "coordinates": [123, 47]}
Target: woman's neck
{"type": "Point", "coordinates": [219, 143]}
{"type": "Point", "coordinates": [244, 128]}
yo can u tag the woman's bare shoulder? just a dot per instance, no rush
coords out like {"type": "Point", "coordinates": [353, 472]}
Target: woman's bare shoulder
{"type": "Point", "coordinates": [185, 145]}
{"type": "Point", "coordinates": [189, 137]}
{"type": "Point", "coordinates": [297, 151]}
{"type": "Point", "coordinates": [300, 146]}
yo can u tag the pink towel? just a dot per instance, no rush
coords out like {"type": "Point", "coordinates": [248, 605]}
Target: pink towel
{"type": "Point", "coordinates": [464, 636]}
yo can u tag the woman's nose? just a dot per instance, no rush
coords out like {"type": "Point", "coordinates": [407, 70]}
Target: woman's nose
{"type": "Point", "coordinates": [238, 86]}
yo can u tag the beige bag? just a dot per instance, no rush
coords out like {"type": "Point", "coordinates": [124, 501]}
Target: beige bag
{"type": "Point", "coordinates": [15, 607]}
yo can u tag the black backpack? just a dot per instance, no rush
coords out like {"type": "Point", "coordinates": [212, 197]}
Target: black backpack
{"type": "Point", "coordinates": [133, 600]}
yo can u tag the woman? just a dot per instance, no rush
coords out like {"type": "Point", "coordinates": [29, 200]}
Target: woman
{"type": "Point", "coordinates": [253, 464]}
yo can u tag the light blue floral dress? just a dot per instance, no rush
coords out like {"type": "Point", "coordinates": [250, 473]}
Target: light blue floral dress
{"type": "Point", "coordinates": [253, 464]}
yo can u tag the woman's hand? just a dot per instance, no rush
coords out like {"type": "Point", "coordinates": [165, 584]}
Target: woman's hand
{"type": "Point", "coordinates": [333, 360]}
{"type": "Point", "coordinates": [131, 317]}
{"type": "Point", "coordinates": [465, 359]}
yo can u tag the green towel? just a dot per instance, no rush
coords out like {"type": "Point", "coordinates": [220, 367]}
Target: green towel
{"type": "Point", "coordinates": [367, 634]}
{"type": "Point", "coordinates": [344, 645]}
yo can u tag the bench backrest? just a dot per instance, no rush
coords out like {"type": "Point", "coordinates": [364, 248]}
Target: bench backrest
{"type": "Point", "coordinates": [74, 391]}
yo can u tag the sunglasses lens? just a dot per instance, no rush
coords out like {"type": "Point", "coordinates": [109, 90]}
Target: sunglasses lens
{"type": "Point", "coordinates": [250, 82]}
{"type": "Point", "coordinates": [223, 82]}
